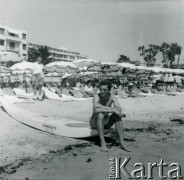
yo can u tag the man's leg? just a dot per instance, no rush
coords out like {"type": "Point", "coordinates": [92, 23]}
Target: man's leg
{"type": "Point", "coordinates": [100, 127]}
{"type": "Point", "coordinates": [114, 118]}
{"type": "Point", "coordinates": [40, 92]}
{"type": "Point", "coordinates": [97, 122]}
{"type": "Point", "coordinates": [35, 92]}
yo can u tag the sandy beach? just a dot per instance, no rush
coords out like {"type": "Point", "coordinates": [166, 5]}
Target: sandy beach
{"type": "Point", "coordinates": [27, 153]}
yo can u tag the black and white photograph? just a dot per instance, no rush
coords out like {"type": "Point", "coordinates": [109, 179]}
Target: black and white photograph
{"type": "Point", "coordinates": [91, 89]}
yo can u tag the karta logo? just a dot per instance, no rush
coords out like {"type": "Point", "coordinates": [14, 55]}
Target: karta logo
{"type": "Point", "coordinates": [119, 170]}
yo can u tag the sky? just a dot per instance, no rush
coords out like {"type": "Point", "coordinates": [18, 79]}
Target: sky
{"type": "Point", "coordinates": [99, 29]}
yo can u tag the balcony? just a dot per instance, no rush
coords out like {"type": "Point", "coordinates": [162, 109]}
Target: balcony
{"type": "Point", "coordinates": [13, 49]}
{"type": "Point", "coordinates": [14, 38]}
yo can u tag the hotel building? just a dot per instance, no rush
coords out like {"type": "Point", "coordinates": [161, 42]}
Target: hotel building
{"type": "Point", "coordinates": [61, 54]}
{"type": "Point", "coordinates": [16, 41]}
{"type": "Point", "coordinates": [13, 40]}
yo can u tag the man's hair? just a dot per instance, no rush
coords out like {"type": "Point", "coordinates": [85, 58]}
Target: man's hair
{"type": "Point", "coordinates": [89, 81]}
{"type": "Point", "coordinates": [106, 82]}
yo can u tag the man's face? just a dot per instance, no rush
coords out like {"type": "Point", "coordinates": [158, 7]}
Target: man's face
{"type": "Point", "coordinates": [89, 84]}
{"type": "Point", "coordinates": [104, 90]}
{"type": "Point", "coordinates": [39, 60]}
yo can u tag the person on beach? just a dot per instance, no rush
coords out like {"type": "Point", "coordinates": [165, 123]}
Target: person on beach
{"type": "Point", "coordinates": [104, 115]}
{"type": "Point", "coordinates": [38, 78]}
{"type": "Point", "coordinates": [88, 89]}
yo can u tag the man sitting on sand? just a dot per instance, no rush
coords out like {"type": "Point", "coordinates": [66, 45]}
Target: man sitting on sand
{"type": "Point", "coordinates": [104, 116]}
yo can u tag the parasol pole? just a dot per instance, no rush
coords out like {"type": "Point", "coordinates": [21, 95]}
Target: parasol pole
{"type": "Point", "coordinates": [83, 72]}
{"type": "Point", "coordinates": [25, 82]}
{"type": "Point", "coordinates": [0, 72]}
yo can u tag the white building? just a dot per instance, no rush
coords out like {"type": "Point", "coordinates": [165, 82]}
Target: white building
{"type": "Point", "coordinates": [13, 40]}
{"type": "Point", "coordinates": [61, 54]}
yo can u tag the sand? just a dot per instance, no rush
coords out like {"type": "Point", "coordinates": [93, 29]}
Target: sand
{"type": "Point", "coordinates": [148, 132]}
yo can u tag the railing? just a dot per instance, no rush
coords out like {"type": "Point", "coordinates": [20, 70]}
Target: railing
{"type": "Point", "coordinates": [12, 49]}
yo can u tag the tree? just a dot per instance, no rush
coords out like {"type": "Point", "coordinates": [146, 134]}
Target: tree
{"type": "Point", "coordinates": [176, 50]}
{"type": "Point", "coordinates": [123, 58]}
{"type": "Point", "coordinates": [164, 49]}
{"type": "Point", "coordinates": [170, 52]}
{"type": "Point", "coordinates": [149, 54]}
{"type": "Point", "coordinates": [42, 51]}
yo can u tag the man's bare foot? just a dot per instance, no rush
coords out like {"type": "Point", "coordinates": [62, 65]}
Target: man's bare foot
{"type": "Point", "coordinates": [104, 148]}
{"type": "Point", "coordinates": [122, 146]}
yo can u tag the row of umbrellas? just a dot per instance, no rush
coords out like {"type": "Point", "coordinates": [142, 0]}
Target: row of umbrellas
{"type": "Point", "coordinates": [86, 67]}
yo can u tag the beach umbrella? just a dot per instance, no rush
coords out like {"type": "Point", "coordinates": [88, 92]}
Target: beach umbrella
{"type": "Point", "coordinates": [85, 62]}
{"type": "Point", "coordinates": [8, 56]}
{"type": "Point", "coordinates": [141, 68]}
{"type": "Point", "coordinates": [114, 74]}
{"type": "Point", "coordinates": [156, 69]}
{"type": "Point", "coordinates": [61, 67]}
{"type": "Point", "coordinates": [52, 74]}
{"type": "Point", "coordinates": [131, 68]}
{"type": "Point", "coordinates": [5, 69]}
{"type": "Point", "coordinates": [89, 74]}
{"type": "Point", "coordinates": [104, 67]}
{"type": "Point", "coordinates": [22, 66]}
{"type": "Point", "coordinates": [5, 72]}
{"type": "Point", "coordinates": [127, 65]}
{"type": "Point", "coordinates": [81, 69]}
{"type": "Point", "coordinates": [178, 71]}
{"type": "Point", "coordinates": [66, 75]}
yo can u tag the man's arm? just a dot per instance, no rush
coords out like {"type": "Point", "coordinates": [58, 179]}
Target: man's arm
{"type": "Point", "coordinates": [117, 106]}
{"type": "Point", "coordinates": [98, 108]}
{"type": "Point", "coordinates": [116, 103]}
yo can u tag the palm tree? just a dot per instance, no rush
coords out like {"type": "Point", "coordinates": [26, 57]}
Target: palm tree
{"type": "Point", "coordinates": [43, 51]}
{"type": "Point", "coordinates": [123, 58]}
{"type": "Point", "coordinates": [149, 54]}
{"type": "Point", "coordinates": [178, 53]}
{"type": "Point", "coordinates": [174, 51]}
{"type": "Point", "coordinates": [164, 49]}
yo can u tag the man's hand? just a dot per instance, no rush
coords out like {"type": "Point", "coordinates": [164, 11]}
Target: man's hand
{"type": "Point", "coordinates": [119, 113]}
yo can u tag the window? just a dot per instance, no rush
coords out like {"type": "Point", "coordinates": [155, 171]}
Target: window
{"type": "Point", "coordinates": [24, 46]}
{"type": "Point", "coordinates": [2, 31]}
{"type": "Point", "coordinates": [13, 35]}
{"type": "Point", "coordinates": [24, 36]}
{"type": "Point", "coordinates": [12, 45]}
{"type": "Point", "coordinates": [24, 54]}
{"type": "Point", "coordinates": [1, 42]}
